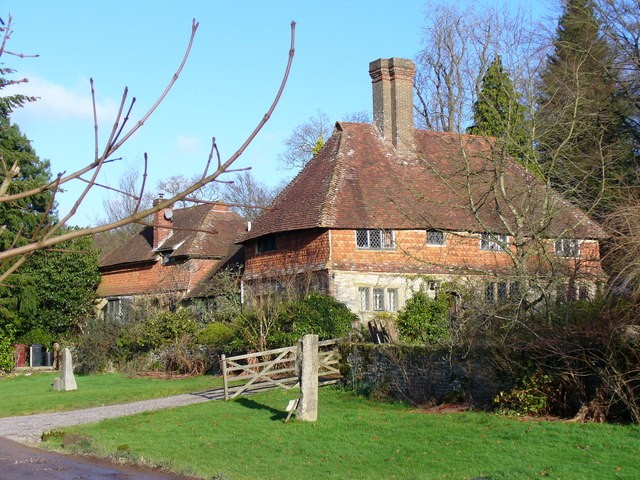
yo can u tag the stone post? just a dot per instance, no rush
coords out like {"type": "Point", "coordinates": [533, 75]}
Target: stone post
{"type": "Point", "coordinates": [66, 381]}
{"type": "Point", "coordinates": [308, 405]}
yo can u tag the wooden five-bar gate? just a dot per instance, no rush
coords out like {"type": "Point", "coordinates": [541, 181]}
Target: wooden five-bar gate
{"type": "Point", "coordinates": [276, 368]}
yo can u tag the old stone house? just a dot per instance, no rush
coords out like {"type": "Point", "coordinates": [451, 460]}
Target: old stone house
{"type": "Point", "coordinates": [168, 261]}
{"type": "Point", "coordinates": [385, 209]}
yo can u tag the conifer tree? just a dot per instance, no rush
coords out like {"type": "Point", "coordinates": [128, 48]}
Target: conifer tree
{"type": "Point", "coordinates": [498, 113]}
{"type": "Point", "coordinates": [580, 118]}
{"type": "Point", "coordinates": [21, 218]}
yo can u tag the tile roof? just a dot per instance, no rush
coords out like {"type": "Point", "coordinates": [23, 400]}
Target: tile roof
{"type": "Point", "coordinates": [448, 182]}
{"type": "Point", "coordinates": [200, 231]}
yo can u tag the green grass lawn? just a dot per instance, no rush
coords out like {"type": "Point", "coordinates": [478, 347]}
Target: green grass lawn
{"type": "Point", "coordinates": [23, 395]}
{"type": "Point", "coordinates": [359, 439]}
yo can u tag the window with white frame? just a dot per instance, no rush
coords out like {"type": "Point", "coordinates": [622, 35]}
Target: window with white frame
{"type": "Point", "coordinates": [567, 247]}
{"type": "Point", "coordinates": [363, 294]}
{"type": "Point", "coordinates": [378, 299]}
{"type": "Point", "coordinates": [375, 239]}
{"type": "Point", "coordinates": [392, 297]}
{"type": "Point", "coordinates": [435, 238]}
{"type": "Point", "coordinates": [493, 242]}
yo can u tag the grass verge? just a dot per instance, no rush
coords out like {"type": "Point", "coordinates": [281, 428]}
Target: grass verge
{"type": "Point", "coordinates": [356, 439]}
{"type": "Point", "coordinates": [24, 395]}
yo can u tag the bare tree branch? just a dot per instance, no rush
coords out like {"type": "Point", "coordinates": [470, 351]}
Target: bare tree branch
{"type": "Point", "coordinates": [48, 239]}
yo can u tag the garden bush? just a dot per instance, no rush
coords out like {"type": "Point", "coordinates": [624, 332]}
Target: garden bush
{"type": "Point", "coordinates": [6, 349]}
{"type": "Point", "coordinates": [98, 347]}
{"type": "Point", "coordinates": [424, 319]}
{"type": "Point", "coordinates": [161, 329]}
{"type": "Point", "coordinates": [314, 314]}
{"type": "Point", "coordinates": [215, 335]}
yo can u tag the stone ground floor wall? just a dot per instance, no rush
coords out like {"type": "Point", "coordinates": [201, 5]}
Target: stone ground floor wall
{"type": "Point", "coordinates": [346, 287]}
{"type": "Point", "coordinates": [420, 375]}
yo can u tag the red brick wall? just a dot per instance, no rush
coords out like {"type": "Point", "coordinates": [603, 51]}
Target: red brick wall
{"type": "Point", "coordinates": [155, 278]}
{"type": "Point", "coordinates": [294, 251]}
{"type": "Point", "coordinates": [461, 254]}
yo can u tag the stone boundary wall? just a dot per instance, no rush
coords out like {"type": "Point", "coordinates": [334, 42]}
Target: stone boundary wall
{"type": "Point", "coordinates": [420, 375]}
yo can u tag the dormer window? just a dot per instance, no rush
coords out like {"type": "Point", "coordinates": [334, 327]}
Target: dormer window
{"type": "Point", "coordinates": [567, 247]}
{"type": "Point", "coordinates": [266, 244]}
{"type": "Point", "coordinates": [375, 239]}
{"type": "Point", "coordinates": [165, 255]}
{"type": "Point", "coordinates": [493, 242]}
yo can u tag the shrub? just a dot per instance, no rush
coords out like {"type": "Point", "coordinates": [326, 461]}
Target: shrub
{"type": "Point", "coordinates": [180, 356]}
{"type": "Point", "coordinates": [531, 397]}
{"type": "Point", "coordinates": [163, 328]}
{"type": "Point", "coordinates": [424, 319]}
{"type": "Point", "coordinates": [6, 349]}
{"type": "Point", "coordinates": [39, 336]}
{"type": "Point", "coordinates": [314, 314]}
{"type": "Point", "coordinates": [98, 346]}
{"type": "Point", "coordinates": [215, 335]}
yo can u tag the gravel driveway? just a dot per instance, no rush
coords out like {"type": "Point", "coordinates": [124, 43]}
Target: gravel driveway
{"type": "Point", "coordinates": [29, 428]}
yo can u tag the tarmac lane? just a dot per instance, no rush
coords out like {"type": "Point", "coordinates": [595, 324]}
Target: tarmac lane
{"type": "Point", "coordinates": [18, 462]}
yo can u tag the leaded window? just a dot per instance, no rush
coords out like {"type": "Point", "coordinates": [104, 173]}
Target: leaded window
{"type": "Point", "coordinates": [493, 242]}
{"type": "Point", "coordinates": [376, 239]}
{"type": "Point", "coordinates": [435, 238]}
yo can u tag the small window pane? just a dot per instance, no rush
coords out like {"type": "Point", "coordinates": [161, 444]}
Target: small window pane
{"type": "Point", "coordinates": [435, 237]}
{"type": "Point", "coordinates": [378, 299]}
{"type": "Point", "coordinates": [502, 290]}
{"type": "Point", "coordinates": [387, 238]}
{"type": "Point", "coordinates": [362, 238]}
{"type": "Point", "coordinates": [363, 292]}
{"type": "Point", "coordinates": [375, 238]}
{"type": "Point", "coordinates": [514, 290]}
{"type": "Point", "coordinates": [392, 294]}
{"type": "Point", "coordinates": [583, 292]}
{"type": "Point", "coordinates": [489, 293]}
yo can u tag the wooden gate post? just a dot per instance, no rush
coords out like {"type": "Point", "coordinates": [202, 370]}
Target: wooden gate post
{"type": "Point", "coordinates": [308, 405]}
{"type": "Point", "coordinates": [225, 381]}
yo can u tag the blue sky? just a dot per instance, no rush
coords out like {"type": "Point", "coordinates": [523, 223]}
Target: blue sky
{"type": "Point", "coordinates": [226, 87]}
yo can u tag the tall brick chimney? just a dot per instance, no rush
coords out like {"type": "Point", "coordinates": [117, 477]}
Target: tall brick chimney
{"type": "Point", "coordinates": [161, 221]}
{"type": "Point", "coordinates": [392, 80]}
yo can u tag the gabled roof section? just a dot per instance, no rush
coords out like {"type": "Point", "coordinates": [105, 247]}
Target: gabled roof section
{"type": "Point", "coordinates": [450, 182]}
{"type": "Point", "coordinates": [201, 231]}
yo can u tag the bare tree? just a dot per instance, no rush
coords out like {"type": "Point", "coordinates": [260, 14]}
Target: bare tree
{"type": "Point", "coordinates": [248, 195]}
{"type": "Point", "coordinates": [177, 183]}
{"type": "Point", "coordinates": [459, 45]}
{"type": "Point", "coordinates": [301, 144]}
{"type": "Point", "coordinates": [124, 202]}
{"type": "Point", "coordinates": [49, 234]}
{"type": "Point", "coordinates": [308, 138]}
